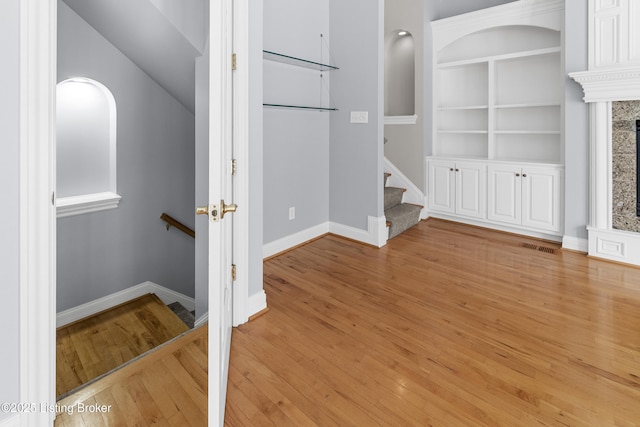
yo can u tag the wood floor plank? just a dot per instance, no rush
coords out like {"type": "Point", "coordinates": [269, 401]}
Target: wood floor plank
{"type": "Point", "coordinates": [89, 348]}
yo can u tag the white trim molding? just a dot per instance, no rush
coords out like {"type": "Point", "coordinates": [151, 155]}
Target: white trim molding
{"type": "Point", "coordinates": [413, 194]}
{"type": "Point", "coordinates": [613, 84]}
{"type": "Point", "coordinates": [256, 303]}
{"type": "Point", "coordinates": [400, 120]}
{"type": "Point", "coordinates": [575, 244]}
{"type": "Point", "coordinates": [376, 235]}
{"type": "Point", "coordinates": [541, 13]}
{"type": "Point", "coordinates": [615, 245]}
{"type": "Point", "coordinates": [293, 240]}
{"type": "Point", "coordinates": [38, 50]}
{"type": "Point", "coordinates": [167, 296]}
{"type": "Point", "coordinates": [87, 203]}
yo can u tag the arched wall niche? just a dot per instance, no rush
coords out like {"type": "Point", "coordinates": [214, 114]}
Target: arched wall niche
{"type": "Point", "coordinates": [399, 76]}
{"type": "Point", "coordinates": [86, 132]}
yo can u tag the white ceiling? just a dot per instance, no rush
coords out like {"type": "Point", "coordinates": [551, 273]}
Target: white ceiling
{"type": "Point", "coordinates": [161, 39]}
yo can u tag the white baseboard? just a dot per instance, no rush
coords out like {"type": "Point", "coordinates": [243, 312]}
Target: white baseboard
{"type": "Point", "coordinates": [295, 239]}
{"type": "Point", "coordinates": [256, 303]}
{"type": "Point", "coordinates": [96, 306]}
{"type": "Point", "coordinates": [375, 235]}
{"type": "Point", "coordinates": [13, 421]}
{"type": "Point", "coordinates": [201, 320]}
{"type": "Point", "coordinates": [575, 244]}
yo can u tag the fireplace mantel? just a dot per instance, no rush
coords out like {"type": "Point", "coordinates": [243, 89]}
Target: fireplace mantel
{"type": "Point", "coordinates": [613, 75]}
{"type": "Point", "coordinates": [613, 84]}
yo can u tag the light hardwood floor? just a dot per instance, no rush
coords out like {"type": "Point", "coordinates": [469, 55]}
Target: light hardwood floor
{"type": "Point", "coordinates": [167, 387]}
{"type": "Point", "coordinates": [448, 325]}
{"type": "Point", "coordinates": [91, 347]}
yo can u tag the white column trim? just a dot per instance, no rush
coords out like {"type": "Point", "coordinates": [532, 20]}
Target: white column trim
{"type": "Point", "coordinates": [38, 36]}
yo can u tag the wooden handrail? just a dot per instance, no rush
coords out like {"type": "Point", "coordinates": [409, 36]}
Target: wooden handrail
{"type": "Point", "coordinates": [177, 224]}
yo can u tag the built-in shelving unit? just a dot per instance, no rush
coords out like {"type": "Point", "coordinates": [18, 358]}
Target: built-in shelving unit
{"type": "Point", "coordinates": [497, 113]}
{"type": "Point", "coordinates": [298, 62]}
{"type": "Point", "coordinates": [503, 107]}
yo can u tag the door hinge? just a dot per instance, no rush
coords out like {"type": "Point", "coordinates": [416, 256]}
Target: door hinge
{"type": "Point", "coordinates": [233, 272]}
{"type": "Point", "coordinates": [234, 167]}
{"type": "Point", "coordinates": [233, 61]}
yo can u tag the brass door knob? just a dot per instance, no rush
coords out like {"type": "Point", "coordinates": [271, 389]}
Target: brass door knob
{"type": "Point", "coordinates": [232, 207]}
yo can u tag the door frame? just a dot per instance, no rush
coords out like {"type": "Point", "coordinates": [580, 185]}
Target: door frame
{"type": "Point", "coordinates": [38, 63]}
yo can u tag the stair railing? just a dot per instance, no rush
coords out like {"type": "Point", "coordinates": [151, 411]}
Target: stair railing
{"type": "Point", "coordinates": [177, 224]}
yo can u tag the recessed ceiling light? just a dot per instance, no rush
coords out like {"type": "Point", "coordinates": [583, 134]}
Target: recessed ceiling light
{"type": "Point", "coordinates": [402, 33]}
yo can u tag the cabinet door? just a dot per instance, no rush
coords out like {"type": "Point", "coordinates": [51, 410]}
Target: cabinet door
{"type": "Point", "coordinates": [471, 189]}
{"type": "Point", "coordinates": [441, 186]}
{"type": "Point", "coordinates": [504, 194]}
{"type": "Point", "coordinates": [541, 198]}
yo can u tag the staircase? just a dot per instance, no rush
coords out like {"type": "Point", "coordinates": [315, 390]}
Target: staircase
{"type": "Point", "coordinates": [400, 216]}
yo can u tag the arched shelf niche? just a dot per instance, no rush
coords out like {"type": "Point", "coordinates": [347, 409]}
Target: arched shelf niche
{"type": "Point", "coordinates": [86, 129]}
{"type": "Point", "coordinates": [399, 80]}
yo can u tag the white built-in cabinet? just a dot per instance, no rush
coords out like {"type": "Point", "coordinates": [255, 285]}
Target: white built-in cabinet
{"type": "Point", "coordinates": [498, 104]}
{"type": "Point", "coordinates": [527, 196]}
{"type": "Point", "coordinates": [458, 188]}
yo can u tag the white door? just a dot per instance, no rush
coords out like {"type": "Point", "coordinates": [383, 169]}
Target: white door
{"type": "Point", "coordinates": [471, 184]}
{"type": "Point", "coordinates": [541, 198]}
{"type": "Point", "coordinates": [220, 206]}
{"type": "Point", "coordinates": [504, 194]}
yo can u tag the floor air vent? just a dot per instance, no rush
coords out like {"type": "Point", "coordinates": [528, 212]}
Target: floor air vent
{"type": "Point", "coordinates": [539, 248]}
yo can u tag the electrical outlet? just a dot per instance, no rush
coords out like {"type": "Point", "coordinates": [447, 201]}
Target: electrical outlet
{"type": "Point", "coordinates": [359, 117]}
{"type": "Point", "coordinates": [292, 213]}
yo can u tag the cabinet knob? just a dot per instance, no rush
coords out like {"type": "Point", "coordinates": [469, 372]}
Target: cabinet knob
{"type": "Point", "coordinates": [517, 174]}
{"type": "Point", "coordinates": [524, 175]}
{"type": "Point", "coordinates": [451, 169]}
{"type": "Point", "coordinates": [457, 170]}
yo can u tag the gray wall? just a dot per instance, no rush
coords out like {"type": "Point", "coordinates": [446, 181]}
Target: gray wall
{"type": "Point", "coordinates": [10, 196]}
{"type": "Point", "coordinates": [105, 252]}
{"type": "Point", "coordinates": [296, 142]}
{"type": "Point", "coordinates": [576, 122]}
{"type": "Point", "coordinates": [356, 151]}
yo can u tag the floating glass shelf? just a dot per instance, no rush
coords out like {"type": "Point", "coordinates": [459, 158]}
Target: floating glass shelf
{"type": "Point", "coordinates": [278, 57]}
{"type": "Point", "coordinates": [299, 107]}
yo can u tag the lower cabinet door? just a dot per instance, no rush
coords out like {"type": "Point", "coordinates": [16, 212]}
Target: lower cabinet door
{"type": "Point", "coordinates": [441, 186]}
{"type": "Point", "coordinates": [541, 198]}
{"type": "Point", "coordinates": [471, 193]}
{"type": "Point", "coordinates": [504, 194]}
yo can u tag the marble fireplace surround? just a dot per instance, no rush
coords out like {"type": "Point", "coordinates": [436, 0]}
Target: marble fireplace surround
{"type": "Point", "coordinates": [624, 167]}
{"type": "Point", "coordinates": [602, 88]}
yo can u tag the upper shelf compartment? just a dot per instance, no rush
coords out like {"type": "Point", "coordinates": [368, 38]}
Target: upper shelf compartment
{"type": "Point", "coordinates": [286, 59]}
